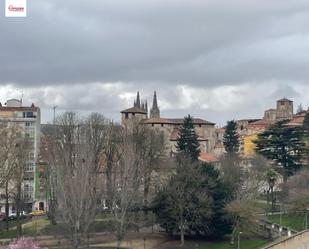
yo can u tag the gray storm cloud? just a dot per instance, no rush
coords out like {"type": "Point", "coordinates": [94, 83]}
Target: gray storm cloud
{"type": "Point", "coordinates": [216, 47]}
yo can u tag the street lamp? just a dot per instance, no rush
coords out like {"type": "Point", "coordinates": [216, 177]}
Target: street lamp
{"type": "Point", "coordinates": [306, 219]}
{"type": "Point", "coordinates": [238, 240]}
{"type": "Point", "coordinates": [271, 186]}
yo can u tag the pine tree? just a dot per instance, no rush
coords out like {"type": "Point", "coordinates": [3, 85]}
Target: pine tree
{"type": "Point", "coordinates": [187, 143]}
{"type": "Point", "coordinates": [305, 128]}
{"type": "Point", "coordinates": [231, 138]}
{"type": "Point", "coordinates": [283, 145]}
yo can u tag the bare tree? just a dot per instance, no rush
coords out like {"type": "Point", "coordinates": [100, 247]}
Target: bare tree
{"type": "Point", "coordinates": [14, 149]}
{"type": "Point", "coordinates": [298, 191]}
{"type": "Point", "coordinates": [76, 150]}
{"type": "Point", "coordinates": [23, 147]}
{"type": "Point", "coordinates": [247, 180]}
{"type": "Point", "coordinates": [243, 214]}
{"type": "Point", "coordinates": [126, 193]}
{"type": "Point", "coordinates": [150, 148]}
{"type": "Point", "coordinates": [111, 156]}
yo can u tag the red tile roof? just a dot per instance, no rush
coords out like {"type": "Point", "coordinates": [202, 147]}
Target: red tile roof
{"type": "Point", "coordinates": [297, 120]}
{"type": "Point", "coordinates": [176, 121]}
{"type": "Point", "coordinates": [206, 157]}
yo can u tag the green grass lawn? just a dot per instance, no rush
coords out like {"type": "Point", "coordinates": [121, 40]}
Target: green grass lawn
{"type": "Point", "coordinates": [293, 221]}
{"type": "Point", "coordinates": [245, 243]}
{"type": "Point", "coordinates": [30, 228]}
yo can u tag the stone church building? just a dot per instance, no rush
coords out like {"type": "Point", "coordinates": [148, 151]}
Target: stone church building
{"type": "Point", "coordinates": [170, 126]}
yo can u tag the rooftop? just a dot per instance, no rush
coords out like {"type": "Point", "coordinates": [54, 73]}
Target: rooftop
{"type": "Point", "coordinates": [206, 157]}
{"type": "Point", "coordinates": [134, 110]}
{"type": "Point", "coordinates": [21, 108]}
{"type": "Point", "coordinates": [176, 121]}
{"type": "Point", "coordinates": [284, 100]}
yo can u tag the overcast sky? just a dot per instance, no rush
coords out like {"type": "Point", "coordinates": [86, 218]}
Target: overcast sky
{"type": "Point", "coordinates": [217, 60]}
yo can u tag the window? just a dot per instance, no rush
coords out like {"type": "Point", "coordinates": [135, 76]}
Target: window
{"type": "Point", "coordinates": [152, 124]}
{"type": "Point", "coordinates": [29, 167]}
{"type": "Point", "coordinates": [29, 134]}
{"type": "Point", "coordinates": [29, 125]}
{"type": "Point", "coordinates": [133, 114]}
{"type": "Point", "coordinates": [28, 115]}
{"type": "Point", "coordinates": [31, 156]}
{"type": "Point", "coordinates": [200, 125]}
{"type": "Point", "coordinates": [162, 125]}
{"type": "Point", "coordinates": [126, 115]}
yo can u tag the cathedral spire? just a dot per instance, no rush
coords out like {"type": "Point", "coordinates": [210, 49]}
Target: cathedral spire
{"type": "Point", "coordinates": [154, 111]}
{"type": "Point", "coordinates": [138, 101]}
{"type": "Point", "coordinates": [155, 103]}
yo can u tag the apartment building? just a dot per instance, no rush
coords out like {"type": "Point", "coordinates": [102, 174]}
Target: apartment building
{"type": "Point", "coordinates": [28, 118]}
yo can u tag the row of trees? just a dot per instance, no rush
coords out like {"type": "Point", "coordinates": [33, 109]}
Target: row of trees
{"type": "Point", "coordinates": [96, 160]}
{"type": "Point", "coordinates": [98, 164]}
{"type": "Point", "coordinates": [14, 156]}
{"type": "Point", "coordinates": [203, 200]}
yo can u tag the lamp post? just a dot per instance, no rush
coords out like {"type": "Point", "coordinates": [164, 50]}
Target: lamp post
{"type": "Point", "coordinates": [271, 188]}
{"type": "Point", "coordinates": [280, 214]}
{"type": "Point", "coordinates": [306, 219]}
{"type": "Point", "coordinates": [238, 240]}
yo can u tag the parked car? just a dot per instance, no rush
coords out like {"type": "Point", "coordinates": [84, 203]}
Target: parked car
{"type": "Point", "coordinates": [37, 213]}
{"type": "Point", "coordinates": [24, 215]}
{"type": "Point", "coordinates": [13, 216]}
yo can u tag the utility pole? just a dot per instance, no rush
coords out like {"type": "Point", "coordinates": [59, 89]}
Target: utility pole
{"type": "Point", "coordinates": [52, 177]}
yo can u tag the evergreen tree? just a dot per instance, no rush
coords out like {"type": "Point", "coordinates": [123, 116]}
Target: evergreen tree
{"type": "Point", "coordinates": [195, 197]}
{"type": "Point", "coordinates": [231, 138]}
{"type": "Point", "coordinates": [187, 143]}
{"type": "Point", "coordinates": [306, 136]}
{"type": "Point", "coordinates": [283, 145]}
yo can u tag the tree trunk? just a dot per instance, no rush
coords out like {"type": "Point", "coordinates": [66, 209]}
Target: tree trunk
{"type": "Point", "coordinates": [118, 244]}
{"type": "Point", "coordinates": [182, 233]}
{"type": "Point", "coordinates": [182, 236]}
{"type": "Point", "coordinates": [7, 205]}
{"type": "Point", "coordinates": [18, 208]}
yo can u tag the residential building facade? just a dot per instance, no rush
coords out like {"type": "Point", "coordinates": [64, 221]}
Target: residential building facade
{"type": "Point", "coordinates": [28, 119]}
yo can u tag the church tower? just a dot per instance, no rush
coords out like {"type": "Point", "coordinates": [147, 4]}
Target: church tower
{"type": "Point", "coordinates": [284, 109]}
{"type": "Point", "coordinates": [137, 102]}
{"type": "Point", "coordinates": [154, 111]}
